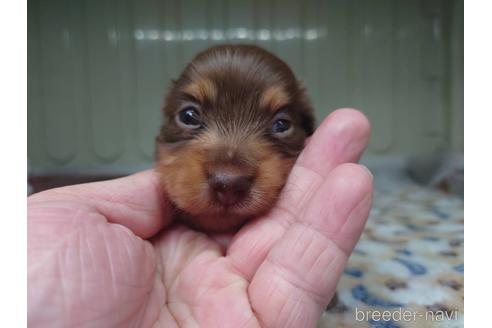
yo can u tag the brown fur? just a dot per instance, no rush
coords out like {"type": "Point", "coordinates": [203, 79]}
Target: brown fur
{"type": "Point", "coordinates": [239, 89]}
{"type": "Point", "coordinates": [203, 90]}
{"type": "Point", "coordinates": [274, 98]}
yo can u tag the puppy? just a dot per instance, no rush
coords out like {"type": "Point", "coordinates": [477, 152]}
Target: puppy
{"type": "Point", "coordinates": [235, 121]}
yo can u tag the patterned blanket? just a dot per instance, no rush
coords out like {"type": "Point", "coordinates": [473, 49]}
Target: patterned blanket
{"type": "Point", "coordinates": [407, 269]}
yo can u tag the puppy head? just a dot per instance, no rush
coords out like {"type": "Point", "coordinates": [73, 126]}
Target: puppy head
{"type": "Point", "coordinates": [236, 119]}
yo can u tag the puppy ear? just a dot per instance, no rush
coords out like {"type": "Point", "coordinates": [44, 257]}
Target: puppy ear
{"type": "Point", "coordinates": [306, 110]}
{"type": "Point", "coordinates": [307, 122]}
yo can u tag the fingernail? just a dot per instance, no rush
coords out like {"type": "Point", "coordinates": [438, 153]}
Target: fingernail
{"type": "Point", "coordinates": [368, 171]}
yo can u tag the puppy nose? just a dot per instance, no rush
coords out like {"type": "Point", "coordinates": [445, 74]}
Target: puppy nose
{"type": "Point", "coordinates": [229, 188]}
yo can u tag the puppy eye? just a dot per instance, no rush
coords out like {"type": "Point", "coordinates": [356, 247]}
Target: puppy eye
{"type": "Point", "coordinates": [282, 127]}
{"type": "Point", "coordinates": [189, 118]}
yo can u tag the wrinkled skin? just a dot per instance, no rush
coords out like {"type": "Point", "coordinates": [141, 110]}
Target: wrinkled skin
{"type": "Point", "coordinates": [107, 254]}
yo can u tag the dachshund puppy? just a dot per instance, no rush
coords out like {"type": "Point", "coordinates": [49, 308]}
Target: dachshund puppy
{"type": "Point", "coordinates": [235, 121]}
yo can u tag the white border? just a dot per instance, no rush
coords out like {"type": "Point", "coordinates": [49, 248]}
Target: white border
{"type": "Point", "coordinates": [478, 90]}
{"type": "Point", "coordinates": [478, 162]}
{"type": "Point", "coordinates": [13, 86]}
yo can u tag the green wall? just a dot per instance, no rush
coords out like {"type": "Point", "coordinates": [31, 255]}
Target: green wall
{"type": "Point", "coordinates": [457, 81]}
{"type": "Point", "coordinates": [98, 70]}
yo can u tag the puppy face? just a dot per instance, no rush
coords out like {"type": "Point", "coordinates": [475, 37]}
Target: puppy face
{"type": "Point", "coordinates": [236, 119]}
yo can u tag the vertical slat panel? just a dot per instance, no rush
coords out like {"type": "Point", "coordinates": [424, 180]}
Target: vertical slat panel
{"type": "Point", "coordinates": [240, 21]}
{"type": "Point", "coordinates": [173, 45]}
{"type": "Point", "coordinates": [151, 67]}
{"type": "Point", "coordinates": [311, 71]}
{"type": "Point", "coordinates": [372, 64]}
{"type": "Point", "coordinates": [104, 79]}
{"type": "Point", "coordinates": [127, 80]}
{"type": "Point", "coordinates": [263, 23]}
{"type": "Point", "coordinates": [287, 32]}
{"type": "Point", "coordinates": [194, 23]}
{"type": "Point", "coordinates": [57, 81]}
{"type": "Point", "coordinates": [80, 101]}
{"type": "Point", "coordinates": [432, 72]}
{"type": "Point", "coordinates": [35, 145]}
{"type": "Point", "coordinates": [457, 78]}
{"type": "Point", "coordinates": [334, 53]}
{"type": "Point", "coordinates": [407, 87]}
{"type": "Point", "coordinates": [216, 21]}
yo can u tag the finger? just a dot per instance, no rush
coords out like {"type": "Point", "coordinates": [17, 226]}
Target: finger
{"type": "Point", "coordinates": [342, 137]}
{"type": "Point", "coordinates": [299, 275]}
{"type": "Point", "coordinates": [137, 201]}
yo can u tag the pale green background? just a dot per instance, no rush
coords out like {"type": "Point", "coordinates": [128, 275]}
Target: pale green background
{"type": "Point", "coordinates": [98, 70]}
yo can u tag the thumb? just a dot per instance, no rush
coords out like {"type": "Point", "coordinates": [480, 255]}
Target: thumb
{"type": "Point", "coordinates": [138, 201]}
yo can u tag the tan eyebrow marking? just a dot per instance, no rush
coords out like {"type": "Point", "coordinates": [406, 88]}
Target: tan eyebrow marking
{"type": "Point", "coordinates": [274, 97]}
{"type": "Point", "coordinates": [202, 89]}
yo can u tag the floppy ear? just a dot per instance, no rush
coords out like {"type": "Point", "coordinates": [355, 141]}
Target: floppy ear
{"type": "Point", "coordinates": [307, 122]}
{"type": "Point", "coordinates": [306, 110]}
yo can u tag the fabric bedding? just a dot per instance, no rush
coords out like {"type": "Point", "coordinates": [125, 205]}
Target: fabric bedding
{"type": "Point", "coordinates": [407, 269]}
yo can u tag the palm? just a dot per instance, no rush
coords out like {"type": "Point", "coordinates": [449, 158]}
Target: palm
{"type": "Point", "coordinates": [199, 280]}
{"type": "Point", "coordinates": [91, 261]}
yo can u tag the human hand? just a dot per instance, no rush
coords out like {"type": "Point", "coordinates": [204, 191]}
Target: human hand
{"type": "Point", "coordinates": [107, 254]}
